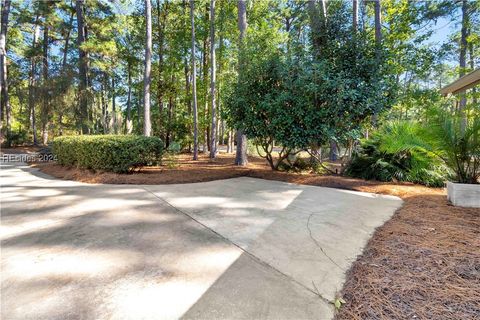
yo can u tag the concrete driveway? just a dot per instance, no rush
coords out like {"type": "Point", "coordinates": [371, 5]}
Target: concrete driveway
{"type": "Point", "coordinates": [240, 248]}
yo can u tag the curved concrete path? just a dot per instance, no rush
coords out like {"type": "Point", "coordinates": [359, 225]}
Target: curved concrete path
{"type": "Point", "coordinates": [241, 248]}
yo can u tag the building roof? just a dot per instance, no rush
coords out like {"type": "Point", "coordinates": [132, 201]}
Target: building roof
{"type": "Point", "coordinates": [464, 83]}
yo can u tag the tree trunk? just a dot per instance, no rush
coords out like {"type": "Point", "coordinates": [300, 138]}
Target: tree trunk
{"type": "Point", "coordinates": [31, 84]}
{"type": "Point", "coordinates": [63, 87]}
{"type": "Point", "coordinates": [229, 142]}
{"type": "Point", "coordinates": [472, 67]}
{"type": "Point", "coordinates": [67, 40]}
{"type": "Point", "coordinates": [355, 16]}
{"type": "Point", "coordinates": [194, 84]}
{"type": "Point", "coordinates": [221, 134]}
{"type": "Point", "coordinates": [82, 67]}
{"type": "Point", "coordinates": [186, 72]}
{"type": "Point", "coordinates": [378, 43]}
{"type": "Point", "coordinates": [128, 124]}
{"type": "Point", "coordinates": [315, 26]}
{"type": "Point", "coordinates": [463, 60]}
{"type": "Point", "coordinates": [147, 126]}
{"type": "Point", "coordinates": [220, 120]}
{"type": "Point", "coordinates": [333, 150]}
{"type": "Point", "coordinates": [213, 142]}
{"type": "Point", "coordinates": [161, 49]}
{"type": "Point", "coordinates": [169, 117]}
{"type": "Point", "coordinates": [206, 143]}
{"type": "Point", "coordinates": [114, 110]}
{"type": "Point", "coordinates": [170, 112]}
{"type": "Point", "coordinates": [139, 109]}
{"type": "Point", "coordinates": [323, 9]}
{"type": "Point", "coordinates": [5, 103]}
{"type": "Point", "coordinates": [188, 101]}
{"type": "Point", "coordinates": [241, 155]}
{"type": "Point", "coordinates": [378, 26]}
{"type": "Point", "coordinates": [318, 26]}
{"type": "Point", "coordinates": [103, 103]}
{"type": "Point", "coordinates": [46, 90]}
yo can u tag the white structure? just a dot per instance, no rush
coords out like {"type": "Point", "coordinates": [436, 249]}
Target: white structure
{"type": "Point", "coordinates": [461, 194]}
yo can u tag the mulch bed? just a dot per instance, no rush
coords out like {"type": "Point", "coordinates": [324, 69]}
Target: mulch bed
{"type": "Point", "coordinates": [424, 263]}
{"type": "Point", "coordinates": [182, 170]}
{"type": "Point", "coordinates": [20, 150]}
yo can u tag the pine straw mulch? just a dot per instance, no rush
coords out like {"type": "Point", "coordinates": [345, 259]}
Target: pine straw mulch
{"type": "Point", "coordinates": [20, 150]}
{"type": "Point", "coordinates": [182, 170]}
{"type": "Point", "coordinates": [424, 263]}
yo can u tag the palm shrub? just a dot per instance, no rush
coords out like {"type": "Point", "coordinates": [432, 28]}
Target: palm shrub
{"type": "Point", "coordinates": [378, 159]}
{"type": "Point", "coordinates": [451, 137]}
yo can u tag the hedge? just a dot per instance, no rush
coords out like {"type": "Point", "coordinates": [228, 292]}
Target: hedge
{"type": "Point", "coordinates": [116, 153]}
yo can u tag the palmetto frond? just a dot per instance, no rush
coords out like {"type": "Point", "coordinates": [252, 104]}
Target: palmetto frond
{"type": "Point", "coordinates": [449, 137]}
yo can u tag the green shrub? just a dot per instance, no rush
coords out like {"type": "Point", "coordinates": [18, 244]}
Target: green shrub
{"type": "Point", "coordinates": [170, 159]}
{"type": "Point", "coordinates": [116, 153]}
{"type": "Point", "coordinates": [16, 138]}
{"type": "Point", "coordinates": [373, 160]}
{"type": "Point", "coordinates": [298, 164]}
{"type": "Point", "coordinates": [450, 136]}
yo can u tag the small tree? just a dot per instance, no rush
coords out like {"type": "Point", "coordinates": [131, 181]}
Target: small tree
{"type": "Point", "coordinates": [304, 102]}
{"type": "Point", "coordinates": [264, 108]}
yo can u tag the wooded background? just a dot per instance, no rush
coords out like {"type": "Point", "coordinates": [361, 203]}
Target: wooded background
{"type": "Point", "coordinates": [187, 71]}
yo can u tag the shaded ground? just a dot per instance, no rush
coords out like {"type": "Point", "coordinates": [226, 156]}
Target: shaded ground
{"type": "Point", "coordinates": [423, 263]}
{"type": "Point", "coordinates": [182, 170]}
{"type": "Point", "coordinates": [20, 150]}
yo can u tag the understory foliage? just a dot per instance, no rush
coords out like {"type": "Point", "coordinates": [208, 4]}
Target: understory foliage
{"type": "Point", "coordinates": [445, 146]}
{"type": "Point", "coordinates": [453, 137]}
{"type": "Point", "coordinates": [117, 153]}
{"type": "Point", "coordinates": [377, 159]}
{"type": "Point", "coordinates": [296, 76]}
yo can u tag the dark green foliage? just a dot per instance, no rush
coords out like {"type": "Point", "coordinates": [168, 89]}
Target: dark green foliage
{"type": "Point", "coordinates": [450, 136]}
{"type": "Point", "coordinates": [16, 138]}
{"type": "Point", "coordinates": [117, 153]}
{"type": "Point", "coordinates": [299, 164]}
{"type": "Point", "coordinates": [267, 105]}
{"type": "Point", "coordinates": [372, 162]}
{"type": "Point", "coordinates": [303, 102]}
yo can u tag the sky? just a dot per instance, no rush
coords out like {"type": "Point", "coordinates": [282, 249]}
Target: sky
{"type": "Point", "coordinates": [443, 28]}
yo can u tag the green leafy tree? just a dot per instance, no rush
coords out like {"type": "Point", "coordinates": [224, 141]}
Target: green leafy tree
{"type": "Point", "coordinates": [301, 104]}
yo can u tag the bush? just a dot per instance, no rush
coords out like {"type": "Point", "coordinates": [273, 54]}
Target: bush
{"type": "Point", "coordinates": [16, 138]}
{"type": "Point", "coordinates": [116, 153]}
{"type": "Point", "coordinates": [170, 159]}
{"type": "Point", "coordinates": [453, 138]}
{"type": "Point", "coordinates": [303, 102]}
{"type": "Point", "coordinates": [374, 160]}
{"type": "Point", "coordinates": [298, 164]}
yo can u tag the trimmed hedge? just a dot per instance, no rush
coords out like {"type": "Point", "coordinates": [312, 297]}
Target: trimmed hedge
{"type": "Point", "coordinates": [116, 153]}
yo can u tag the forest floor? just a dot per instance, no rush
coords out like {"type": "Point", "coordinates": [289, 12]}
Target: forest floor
{"type": "Point", "coordinates": [20, 149]}
{"type": "Point", "coordinates": [423, 263]}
